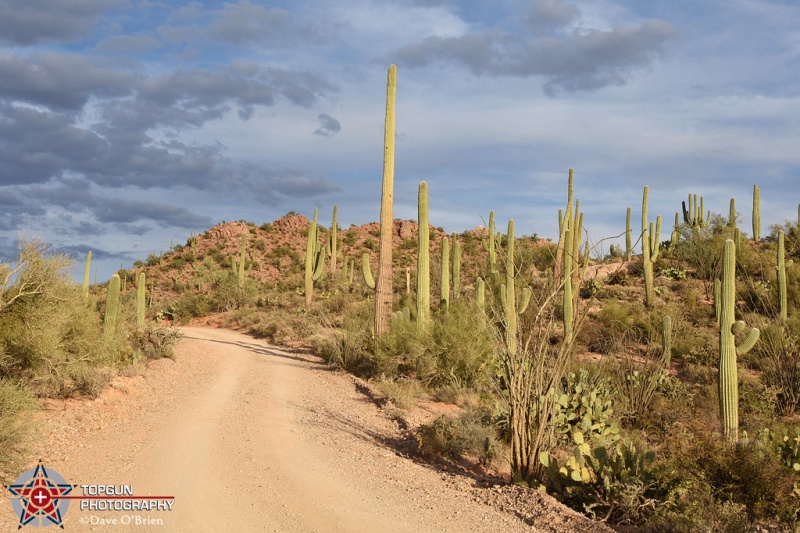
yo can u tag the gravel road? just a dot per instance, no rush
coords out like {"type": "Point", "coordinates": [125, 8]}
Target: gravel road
{"type": "Point", "coordinates": [249, 437]}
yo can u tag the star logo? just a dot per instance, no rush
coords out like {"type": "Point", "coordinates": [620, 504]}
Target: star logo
{"type": "Point", "coordinates": [37, 496]}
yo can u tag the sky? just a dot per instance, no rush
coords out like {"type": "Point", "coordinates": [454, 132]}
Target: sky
{"type": "Point", "coordinates": [129, 124]}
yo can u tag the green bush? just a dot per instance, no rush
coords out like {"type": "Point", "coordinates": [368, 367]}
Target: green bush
{"type": "Point", "coordinates": [15, 404]}
{"type": "Point", "coordinates": [47, 326]}
{"type": "Point", "coordinates": [471, 434]}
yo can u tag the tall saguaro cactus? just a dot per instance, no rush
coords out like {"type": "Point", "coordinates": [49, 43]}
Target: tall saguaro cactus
{"type": "Point", "coordinates": [491, 242]}
{"type": "Point", "coordinates": [112, 305]}
{"type": "Point", "coordinates": [383, 285]}
{"type": "Point", "coordinates": [445, 284]}
{"type": "Point", "coordinates": [86, 271]}
{"type": "Point", "coordinates": [628, 248]}
{"type": "Point", "coordinates": [456, 269]}
{"type": "Point", "coordinates": [141, 286]}
{"type": "Point", "coordinates": [651, 235]}
{"type": "Point", "coordinates": [508, 295]}
{"type": "Point", "coordinates": [756, 214]}
{"type": "Point", "coordinates": [728, 350]}
{"type": "Point", "coordinates": [423, 258]}
{"type": "Point", "coordinates": [315, 260]}
{"type": "Point", "coordinates": [333, 241]}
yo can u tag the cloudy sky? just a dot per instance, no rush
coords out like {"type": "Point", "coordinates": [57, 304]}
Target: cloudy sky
{"type": "Point", "coordinates": [125, 124]}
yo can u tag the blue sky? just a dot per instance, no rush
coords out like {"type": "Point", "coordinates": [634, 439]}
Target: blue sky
{"type": "Point", "coordinates": [127, 124]}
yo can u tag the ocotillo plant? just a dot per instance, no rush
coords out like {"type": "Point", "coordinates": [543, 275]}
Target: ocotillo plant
{"type": "Point", "coordinates": [423, 258]}
{"type": "Point", "coordinates": [445, 285]}
{"type": "Point", "coordinates": [140, 299]}
{"type": "Point", "coordinates": [666, 340]}
{"type": "Point", "coordinates": [315, 260]}
{"type": "Point", "coordinates": [383, 285]}
{"type": "Point", "coordinates": [728, 350]}
{"type": "Point", "coordinates": [112, 305]}
{"type": "Point", "coordinates": [456, 270]}
{"type": "Point", "coordinates": [756, 214]}
{"type": "Point", "coordinates": [86, 271]}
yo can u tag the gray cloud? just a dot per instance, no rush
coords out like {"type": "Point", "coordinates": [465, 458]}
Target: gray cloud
{"type": "Point", "coordinates": [548, 14]}
{"type": "Point", "coordinates": [58, 80]}
{"type": "Point", "coordinates": [241, 23]}
{"type": "Point", "coordinates": [128, 44]}
{"type": "Point", "coordinates": [587, 59]}
{"type": "Point", "coordinates": [76, 196]}
{"type": "Point", "coordinates": [24, 23]}
{"type": "Point", "coordinates": [328, 125]}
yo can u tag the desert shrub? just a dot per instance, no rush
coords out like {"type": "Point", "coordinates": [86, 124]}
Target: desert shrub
{"type": "Point", "coordinates": [615, 324]}
{"type": "Point", "coordinates": [777, 356]}
{"type": "Point", "coordinates": [46, 325]}
{"type": "Point", "coordinates": [471, 434]}
{"type": "Point", "coordinates": [463, 347]}
{"type": "Point", "coordinates": [747, 482]}
{"type": "Point", "coordinates": [15, 403]}
{"type": "Point", "coordinates": [154, 342]}
{"type": "Point", "coordinates": [403, 393]}
{"type": "Point", "coordinates": [88, 380]}
{"type": "Point", "coordinates": [188, 306]}
{"type": "Point", "coordinates": [350, 347]}
{"type": "Point", "coordinates": [456, 348]}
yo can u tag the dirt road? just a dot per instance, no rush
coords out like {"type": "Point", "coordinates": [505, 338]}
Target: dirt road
{"type": "Point", "coordinates": [247, 437]}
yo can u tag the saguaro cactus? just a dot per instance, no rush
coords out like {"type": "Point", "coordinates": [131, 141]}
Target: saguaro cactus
{"type": "Point", "coordinates": [445, 285]}
{"type": "Point", "coordinates": [112, 305]}
{"type": "Point", "coordinates": [423, 258]}
{"type": "Point", "coordinates": [490, 243]}
{"type": "Point", "coordinates": [650, 245]}
{"type": "Point", "coordinates": [568, 303]}
{"type": "Point", "coordinates": [728, 350]}
{"type": "Point", "coordinates": [756, 214]}
{"type": "Point", "coordinates": [508, 295]}
{"type": "Point", "coordinates": [628, 247]}
{"type": "Point", "coordinates": [140, 299]}
{"type": "Point", "coordinates": [315, 260]}
{"type": "Point", "coordinates": [239, 268]}
{"type": "Point", "coordinates": [86, 271]}
{"type": "Point", "coordinates": [695, 215]}
{"type": "Point", "coordinates": [480, 293]}
{"type": "Point", "coordinates": [675, 236]}
{"type": "Point", "coordinates": [333, 241]}
{"type": "Point", "coordinates": [383, 285]}
{"type": "Point", "coordinates": [456, 270]}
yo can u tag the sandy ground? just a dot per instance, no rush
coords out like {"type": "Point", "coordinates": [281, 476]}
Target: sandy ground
{"type": "Point", "coordinates": [248, 437]}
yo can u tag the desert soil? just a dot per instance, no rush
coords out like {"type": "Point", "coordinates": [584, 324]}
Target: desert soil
{"type": "Point", "coordinates": [249, 437]}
